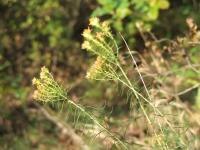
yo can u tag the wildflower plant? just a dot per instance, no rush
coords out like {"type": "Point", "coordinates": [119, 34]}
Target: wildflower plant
{"type": "Point", "coordinates": [48, 90]}
{"type": "Point", "coordinates": [100, 41]}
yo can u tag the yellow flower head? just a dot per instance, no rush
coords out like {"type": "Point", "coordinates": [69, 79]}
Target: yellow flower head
{"type": "Point", "coordinates": [95, 68]}
{"type": "Point", "coordinates": [36, 94]}
{"type": "Point", "coordinates": [86, 45]}
{"type": "Point", "coordinates": [44, 72]}
{"type": "Point", "coordinates": [105, 26]}
{"type": "Point", "coordinates": [34, 81]}
{"type": "Point", "coordinates": [94, 21]}
{"type": "Point", "coordinates": [87, 33]}
{"type": "Point", "coordinates": [100, 35]}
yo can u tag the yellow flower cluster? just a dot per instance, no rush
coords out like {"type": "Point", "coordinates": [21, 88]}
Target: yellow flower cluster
{"type": "Point", "coordinates": [47, 89]}
{"type": "Point", "coordinates": [96, 68]}
{"type": "Point", "coordinates": [87, 33]}
{"type": "Point", "coordinates": [99, 40]}
{"type": "Point", "coordinates": [94, 22]}
{"type": "Point", "coordinates": [86, 45]}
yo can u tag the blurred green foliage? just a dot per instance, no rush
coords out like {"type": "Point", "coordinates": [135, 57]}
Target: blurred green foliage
{"type": "Point", "coordinates": [125, 15]}
{"type": "Point", "coordinates": [32, 34]}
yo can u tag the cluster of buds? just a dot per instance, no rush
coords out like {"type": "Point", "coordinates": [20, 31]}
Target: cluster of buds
{"type": "Point", "coordinates": [47, 89]}
{"type": "Point", "coordinates": [87, 33]}
{"type": "Point", "coordinates": [194, 32]}
{"type": "Point", "coordinates": [99, 40]}
{"type": "Point", "coordinates": [95, 22]}
{"type": "Point", "coordinates": [96, 69]}
{"type": "Point", "coordinates": [192, 26]}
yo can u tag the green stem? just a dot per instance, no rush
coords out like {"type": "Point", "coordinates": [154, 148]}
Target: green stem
{"type": "Point", "coordinates": [98, 124]}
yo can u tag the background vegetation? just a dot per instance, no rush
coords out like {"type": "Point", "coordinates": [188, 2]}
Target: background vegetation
{"type": "Point", "coordinates": [48, 33]}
